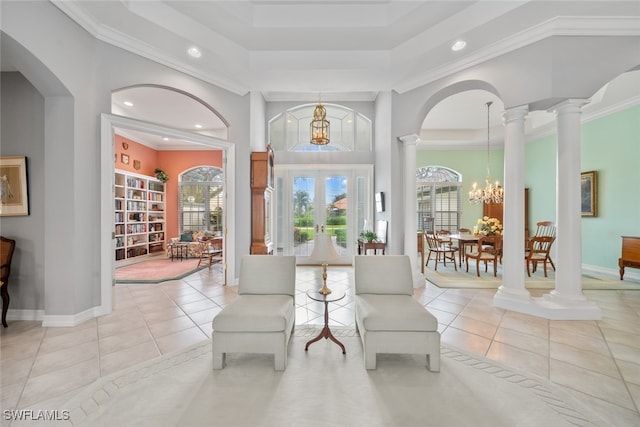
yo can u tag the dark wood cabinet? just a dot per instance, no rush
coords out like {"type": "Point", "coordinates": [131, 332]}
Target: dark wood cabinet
{"type": "Point", "coordinates": [630, 254]}
{"type": "Point", "coordinates": [261, 202]}
{"type": "Point", "coordinates": [495, 210]}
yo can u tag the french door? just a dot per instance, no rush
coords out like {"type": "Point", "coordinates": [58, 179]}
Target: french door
{"type": "Point", "coordinates": [321, 199]}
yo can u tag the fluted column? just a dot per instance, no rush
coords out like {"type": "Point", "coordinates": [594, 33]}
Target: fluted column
{"type": "Point", "coordinates": [513, 291]}
{"type": "Point", "coordinates": [410, 207]}
{"type": "Point", "coordinates": [568, 290]}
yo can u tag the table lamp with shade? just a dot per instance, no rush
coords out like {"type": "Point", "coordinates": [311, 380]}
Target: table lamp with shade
{"type": "Point", "coordinates": [324, 251]}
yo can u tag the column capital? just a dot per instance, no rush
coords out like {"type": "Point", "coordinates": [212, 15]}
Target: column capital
{"type": "Point", "coordinates": [411, 139]}
{"type": "Point", "coordinates": [515, 113]}
{"type": "Point", "coordinates": [571, 105]}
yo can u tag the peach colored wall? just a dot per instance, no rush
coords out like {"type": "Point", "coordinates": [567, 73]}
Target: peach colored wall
{"type": "Point", "coordinates": [148, 157]}
{"type": "Point", "coordinates": [173, 163]}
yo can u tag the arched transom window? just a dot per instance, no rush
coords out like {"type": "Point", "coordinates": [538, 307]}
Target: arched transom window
{"type": "Point", "coordinates": [349, 131]}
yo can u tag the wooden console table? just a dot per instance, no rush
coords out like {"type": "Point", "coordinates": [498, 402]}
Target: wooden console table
{"type": "Point", "coordinates": [630, 254]}
{"type": "Point", "coordinates": [363, 247]}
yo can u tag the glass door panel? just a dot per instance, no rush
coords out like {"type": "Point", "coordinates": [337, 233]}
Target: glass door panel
{"type": "Point", "coordinates": [304, 221]}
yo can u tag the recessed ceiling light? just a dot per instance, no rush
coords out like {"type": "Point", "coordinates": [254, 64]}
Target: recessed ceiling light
{"type": "Point", "coordinates": [164, 138]}
{"type": "Point", "coordinates": [128, 103]}
{"type": "Point", "coordinates": [195, 52]}
{"type": "Point", "coordinates": [198, 126]}
{"type": "Point", "coordinates": [458, 45]}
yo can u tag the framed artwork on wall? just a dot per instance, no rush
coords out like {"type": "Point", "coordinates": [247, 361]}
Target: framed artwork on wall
{"type": "Point", "coordinates": [137, 165]}
{"type": "Point", "coordinates": [589, 193]}
{"type": "Point", "coordinates": [14, 198]}
{"type": "Point", "coordinates": [124, 158]}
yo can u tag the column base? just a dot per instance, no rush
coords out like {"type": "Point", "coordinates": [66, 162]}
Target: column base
{"type": "Point", "coordinates": [419, 280]}
{"type": "Point", "coordinates": [549, 306]}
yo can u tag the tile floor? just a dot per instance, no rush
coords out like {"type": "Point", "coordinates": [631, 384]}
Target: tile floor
{"type": "Point", "coordinates": [596, 361]}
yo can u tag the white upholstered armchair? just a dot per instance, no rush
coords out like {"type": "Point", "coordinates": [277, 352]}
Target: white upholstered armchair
{"type": "Point", "coordinates": [388, 318]}
{"type": "Point", "coordinates": [261, 319]}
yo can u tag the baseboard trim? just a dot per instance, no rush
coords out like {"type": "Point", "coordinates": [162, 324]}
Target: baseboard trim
{"type": "Point", "coordinates": [56, 320]}
{"type": "Point", "coordinates": [628, 273]}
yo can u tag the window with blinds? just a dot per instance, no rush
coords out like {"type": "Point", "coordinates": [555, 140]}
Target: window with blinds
{"type": "Point", "coordinates": [438, 199]}
{"type": "Point", "coordinates": [202, 196]}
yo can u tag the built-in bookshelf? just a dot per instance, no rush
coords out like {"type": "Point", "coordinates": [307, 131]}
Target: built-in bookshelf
{"type": "Point", "coordinates": [139, 215]}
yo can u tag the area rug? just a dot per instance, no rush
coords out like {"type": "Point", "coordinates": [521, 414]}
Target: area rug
{"type": "Point", "coordinates": [157, 270]}
{"type": "Point", "coordinates": [448, 277]}
{"type": "Point", "coordinates": [323, 387]}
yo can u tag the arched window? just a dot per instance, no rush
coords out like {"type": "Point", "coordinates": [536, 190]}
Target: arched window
{"type": "Point", "coordinates": [201, 195]}
{"type": "Point", "coordinates": [438, 197]}
{"type": "Point", "coordinates": [349, 131]}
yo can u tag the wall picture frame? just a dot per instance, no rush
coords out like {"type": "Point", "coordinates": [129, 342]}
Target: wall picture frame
{"type": "Point", "coordinates": [589, 193]}
{"type": "Point", "coordinates": [14, 196]}
{"type": "Point", "coordinates": [124, 158]}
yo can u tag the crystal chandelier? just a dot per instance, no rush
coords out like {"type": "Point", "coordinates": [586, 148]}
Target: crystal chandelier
{"type": "Point", "coordinates": [491, 193]}
{"type": "Point", "coordinates": [320, 126]}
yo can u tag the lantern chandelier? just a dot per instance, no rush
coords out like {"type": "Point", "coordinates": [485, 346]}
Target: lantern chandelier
{"type": "Point", "coordinates": [492, 193]}
{"type": "Point", "coordinates": [319, 126]}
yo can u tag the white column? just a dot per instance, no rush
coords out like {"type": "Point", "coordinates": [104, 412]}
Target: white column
{"type": "Point", "coordinates": [512, 292]}
{"type": "Point", "coordinates": [410, 207]}
{"type": "Point", "coordinates": [568, 291]}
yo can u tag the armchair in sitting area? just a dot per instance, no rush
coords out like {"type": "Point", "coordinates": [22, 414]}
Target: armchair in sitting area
{"type": "Point", "coordinates": [261, 319]}
{"type": "Point", "coordinates": [388, 318]}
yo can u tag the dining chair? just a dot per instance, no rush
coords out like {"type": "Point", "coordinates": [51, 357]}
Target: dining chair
{"type": "Point", "coordinates": [435, 246]}
{"type": "Point", "coordinates": [546, 229]}
{"type": "Point", "coordinates": [539, 247]}
{"type": "Point", "coordinates": [489, 250]}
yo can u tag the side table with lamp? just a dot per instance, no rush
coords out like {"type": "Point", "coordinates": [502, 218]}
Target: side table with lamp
{"type": "Point", "coordinates": [325, 252]}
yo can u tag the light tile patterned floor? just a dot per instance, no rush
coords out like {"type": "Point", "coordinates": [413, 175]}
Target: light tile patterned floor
{"type": "Point", "coordinates": [597, 361]}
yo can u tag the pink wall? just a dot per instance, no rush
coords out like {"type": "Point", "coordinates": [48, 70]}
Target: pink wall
{"type": "Point", "coordinates": [173, 163]}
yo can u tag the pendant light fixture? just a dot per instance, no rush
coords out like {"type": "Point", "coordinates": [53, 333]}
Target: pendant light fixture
{"type": "Point", "coordinates": [492, 193]}
{"type": "Point", "coordinates": [319, 126]}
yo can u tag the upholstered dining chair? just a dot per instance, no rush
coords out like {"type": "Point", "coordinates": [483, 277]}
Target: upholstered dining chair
{"type": "Point", "coordinates": [261, 319]}
{"type": "Point", "coordinates": [539, 247]}
{"type": "Point", "coordinates": [6, 254]}
{"type": "Point", "coordinates": [489, 250]}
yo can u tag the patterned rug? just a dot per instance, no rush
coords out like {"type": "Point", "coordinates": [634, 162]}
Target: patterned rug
{"type": "Point", "coordinates": [323, 387]}
{"type": "Point", "coordinates": [157, 270]}
{"type": "Point", "coordinates": [448, 277]}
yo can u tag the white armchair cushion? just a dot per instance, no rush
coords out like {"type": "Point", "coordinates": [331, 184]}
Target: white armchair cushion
{"type": "Point", "coordinates": [256, 313]}
{"type": "Point", "coordinates": [393, 313]}
{"type": "Point", "coordinates": [389, 274]}
{"type": "Point", "coordinates": [265, 274]}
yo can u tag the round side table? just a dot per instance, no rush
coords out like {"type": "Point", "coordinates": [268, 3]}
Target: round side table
{"type": "Point", "coordinates": [335, 295]}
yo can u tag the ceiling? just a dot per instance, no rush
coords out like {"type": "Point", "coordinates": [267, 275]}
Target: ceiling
{"type": "Point", "coordinates": [346, 50]}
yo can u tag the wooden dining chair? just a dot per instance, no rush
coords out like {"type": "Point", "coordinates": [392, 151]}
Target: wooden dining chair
{"type": "Point", "coordinates": [546, 229]}
{"type": "Point", "coordinates": [539, 247]}
{"type": "Point", "coordinates": [489, 250]}
{"type": "Point", "coordinates": [465, 245]}
{"type": "Point", "coordinates": [435, 247]}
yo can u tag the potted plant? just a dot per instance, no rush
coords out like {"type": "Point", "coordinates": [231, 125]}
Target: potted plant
{"type": "Point", "coordinates": [368, 236]}
{"type": "Point", "coordinates": [161, 175]}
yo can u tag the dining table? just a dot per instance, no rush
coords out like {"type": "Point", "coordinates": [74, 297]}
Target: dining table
{"type": "Point", "coordinates": [464, 240]}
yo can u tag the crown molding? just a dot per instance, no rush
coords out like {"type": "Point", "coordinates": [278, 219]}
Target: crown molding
{"type": "Point", "coordinates": [560, 26]}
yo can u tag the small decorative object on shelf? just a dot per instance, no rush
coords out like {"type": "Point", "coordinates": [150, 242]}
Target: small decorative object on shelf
{"type": "Point", "coordinates": [161, 175]}
{"type": "Point", "coordinates": [488, 227]}
{"type": "Point", "coordinates": [368, 236]}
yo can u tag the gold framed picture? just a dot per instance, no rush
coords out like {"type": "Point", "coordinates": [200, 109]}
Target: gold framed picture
{"type": "Point", "coordinates": [137, 165]}
{"type": "Point", "coordinates": [589, 193]}
{"type": "Point", "coordinates": [14, 197]}
{"type": "Point", "coordinates": [124, 158]}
